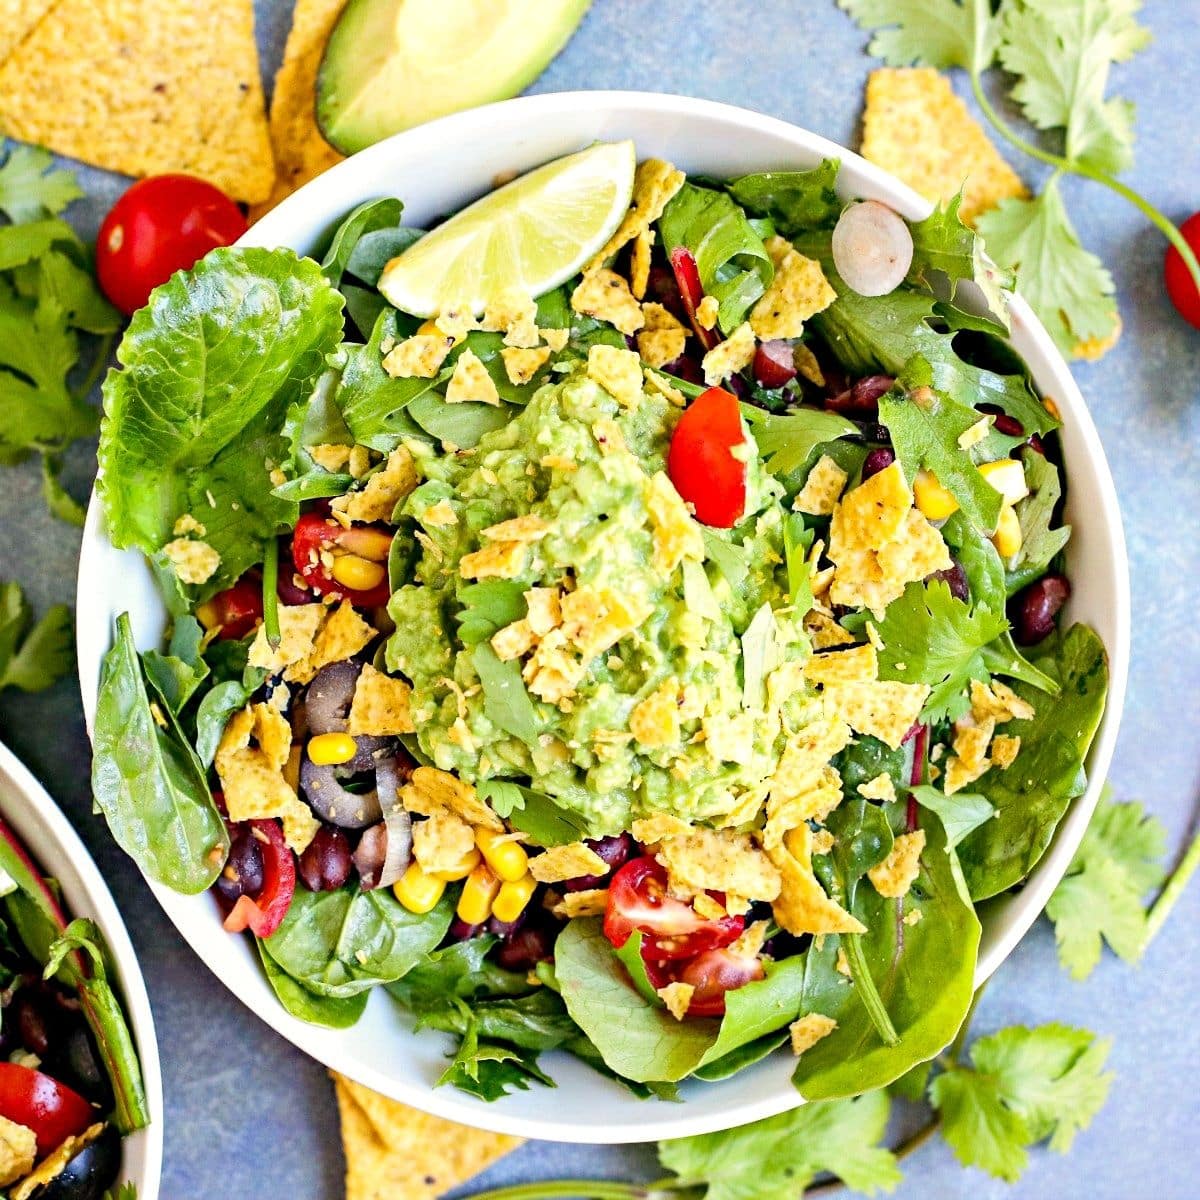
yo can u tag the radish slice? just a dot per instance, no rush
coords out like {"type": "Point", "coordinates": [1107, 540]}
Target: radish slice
{"type": "Point", "coordinates": [872, 248]}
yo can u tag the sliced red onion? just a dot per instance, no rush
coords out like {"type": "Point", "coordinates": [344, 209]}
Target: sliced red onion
{"type": "Point", "coordinates": [396, 820]}
{"type": "Point", "coordinates": [369, 856]}
{"type": "Point", "coordinates": [330, 695]}
{"type": "Point", "coordinates": [872, 248]}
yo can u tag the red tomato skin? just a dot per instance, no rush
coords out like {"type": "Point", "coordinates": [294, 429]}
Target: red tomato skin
{"type": "Point", "coordinates": [1181, 287]}
{"type": "Point", "coordinates": [713, 974]}
{"type": "Point", "coordinates": [314, 532]}
{"type": "Point", "coordinates": [264, 914]}
{"type": "Point", "coordinates": [161, 225]}
{"type": "Point", "coordinates": [700, 460]}
{"type": "Point", "coordinates": [691, 291]}
{"type": "Point", "coordinates": [51, 1109]}
{"type": "Point", "coordinates": [239, 608]}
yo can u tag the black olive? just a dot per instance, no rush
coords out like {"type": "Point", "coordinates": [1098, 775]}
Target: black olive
{"type": "Point", "coordinates": [89, 1174]}
{"type": "Point", "coordinates": [73, 1059]}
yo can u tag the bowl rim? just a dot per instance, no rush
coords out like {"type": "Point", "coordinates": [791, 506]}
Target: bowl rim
{"type": "Point", "coordinates": [90, 896]}
{"type": "Point", "coordinates": [1022, 910]}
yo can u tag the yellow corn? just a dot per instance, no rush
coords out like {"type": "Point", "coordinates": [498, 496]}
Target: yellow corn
{"type": "Point", "coordinates": [430, 329]}
{"type": "Point", "coordinates": [502, 854]}
{"type": "Point", "coordinates": [512, 897]}
{"type": "Point", "coordinates": [462, 868]}
{"type": "Point", "coordinates": [208, 615]}
{"type": "Point", "coordinates": [330, 749]}
{"type": "Point", "coordinates": [366, 542]}
{"type": "Point", "coordinates": [291, 768]}
{"type": "Point", "coordinates": [361, 574]}
{"type": "Point", "coordinates": [1007, 476]}
{"type": "Point", "coordinates": [418, 892]}
{"type": "Point", "coordinates": [931, 498]}
{"type": "Point", "coordinates": [1007, 538]}
{"type": "Point", "coordinates": [475, 903]}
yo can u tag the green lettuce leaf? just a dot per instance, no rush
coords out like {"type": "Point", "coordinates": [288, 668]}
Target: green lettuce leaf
{"type": "Point", "coordinates": [794, 200]}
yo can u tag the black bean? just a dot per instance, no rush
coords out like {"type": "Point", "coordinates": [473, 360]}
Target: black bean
{"type": "Point", "coordinates": [526, 948]}
{"type": "Point", "coordinates": [242, 874]}
{"type": "Point", "coordinates": [615, 851]}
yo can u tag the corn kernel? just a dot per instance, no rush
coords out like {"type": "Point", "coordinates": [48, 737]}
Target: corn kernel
{"type": "Point", "coordinates": [430, 329]}
{"type": "Point", "coordinates": [1007, 538]}
{"type": "Point", "coordinates": [931, 497]}
{"type": "Point", "coordinates": [330, 749]}
{"type": "Point", "coordinates": [475, 903]}
{"type": "Point", "coordinates": [463, 867]}
{"type": "Point", "coordinates": [360, 574]}
{"type": "Point", "coordinates": [513, 896]}
{"type": "Point", "coordinates": [1007, 476]}
{"type": "Point", "coordinates": [418, 892]}
{"type": "Point", "coordinates": [365, 541]}
{"type": "Point", "coordinates": [506, 857]}
{"type": "Point", "coordinates": [208, 615]}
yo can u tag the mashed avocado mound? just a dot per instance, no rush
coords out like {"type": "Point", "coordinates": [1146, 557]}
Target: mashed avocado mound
{"type": "Point", "coordinates": [564, 626]}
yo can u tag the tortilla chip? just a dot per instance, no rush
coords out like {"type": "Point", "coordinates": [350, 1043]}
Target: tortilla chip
{"type": "Point", "coordinates": [603, 294]}
{"type": "Point", "coordinates": [1094, 348]}
{"type": "Point", "coordinates": [393, 1151]}
{"type": "Point", "coordinates": [142, 88]}
{"type": "Point", "coordinates": [449, 792]}
{"type": "Point", "coordinates": [855, 665]}
{"type": "Point", "coordinates": [729, 357]}
{"type": "Point", "coordinates": [383, 491]}
{"type": "Point", "coordinates": [814, 802]}
{"type": "Point", "coordinates": [17, 19]}
{"type": "Point", "coordinates": [418, 357]}
{"type": "Point", "coordinates": [652, 829]}
{"type": "Point", "coordinates": [521, 364]}
{"type": "Point", "coordinates": [662, 338]}
{"type": "Point", "coordinates": [298, 625]}
{"type": "Point", "coordinates": [513, 313]}
{"type": "Point", "coordinates": [798, 291]}
{"type": "Point", "coordinates": [894, 876]}
{"type": "Point", "coordinates": [571, 861]}
{"type": "Point", "coordinates": [802, 905]}
{"type": "Point", "coordinates": [618, 372]}
{"type": "Point", "coordinates": [1004, 750]}
{"type": "Point", "coordinates": [471, 381]}
{"type": "Point", "coordinates": [822, 488]}
{"type": "Point", "coordinates": [707, 312]}
{"type": "Point", "coordinates": [676, 534]}
{"type": "Point", "coordinates": [718, 860]}
{"type": "Point", "coordinates": [807, 365]}
{"type": "Point", "coordinates": [195, 562]}
{"type": "Point", "coordinates": [880, 788]}
{"type": "Point", "coordinates": [380, 706]}
{"type": "Point", "coordinates": [639, 263]}
{"type": "Point", "coordinates": [591, 902]}
{"type": "Point", "coordinates": [809, 1030]}
{"type": "Point", "coordinates": [677, 997]}
{"type": "Point", "coordinates": [441, 842]}
{"type": "Point", "coordinates": [882, 709]}
{"type": "Point", "coordinates": [654, 183]}
{"type": "Point", "coordinates": [916, 127]}
{"type": "Point", "coordinates": [343, 635]}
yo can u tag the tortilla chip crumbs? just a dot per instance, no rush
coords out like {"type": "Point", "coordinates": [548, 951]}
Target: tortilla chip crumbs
{"type": "Point", "coordinates": [418, 357]}
{"type": "Point", "coordinates": [394, 1151]}
{"type": "Point", "coordinates": [383, 491]}
{"type": "Point", "coordinates": [639, 263]}
{"type": "Point", "coordinates": [380, 707]}
{"type": "Point", "coordinates": [879, 708]}
{"type": "Point", "coordinates": [916, 127]}
{"type": "Point", "coordinates": [521, 365]}
{"type": "Point", "coordinates": [447, 791]}
{"type": "Point", "coordinates": [718, 860]}
{"type": "Point", "coordinates": [971, 739]}
{"type": "Point", "coordinates": [186, 95]}
{"type": "Point", "coordinates": [677, 997]}
{"type": "Point", "coordinates": [442, 841]}
{"type": "Point", "coordinates": [729, 357]}
{"type": "Point", "coordinates": [999, 702]}
{"type": "Point", "coordinates": [298, 625]}
{"type": "Point", "coordinates": [514, 314]}
{"type": "Point", "coordinates": [195, 562]}
{"type": "Point", "coordinates": [798, 291]}
{"type": "Point", "coordinates": [662, 338]}
{"type": "Point", "coordinates": [501, 560]}
{"type": "Point", "coordinates": [654, 183]}
{"type": "Point", "coordinates": [894, 876]}
{"type": "Point", "coordinates": [1005, 750]}
{"type": "Point", "coordinates": [252, 776]}
{"type": "Point", "coordinates": [809, 1030]}
{"type": "Point", "coordinates": [591, 902]}
{"type": "Point", "coordinates": [802, 905]}
{"type": "Point", "coordinates": [959, 773]}
{"type": "Point", "coordinates": [330, 457]}
{"type": "Point", "coordinates": [676, 534]}
{"type": "Point", "coordinates": [858, 664]}
{"type": "Point", "coordinates": [822, 488]}
{"type": "Point", "coordinates": [18, 1151]}
{"type": "Point", "coordinates": [707, 312]}
{"type": "Point", "coordinates": [471, 381]}
{"type": "Point", "coordinates": [560, 863]}
{"type": "Point", "coordinates": [807, 366]}
{"type": "Point", "coordinates": [654, 721]}
{"type": "Point", "coordinates": [605, 295]}
{"type": "Point", "coordinates": [618, 372]}
{"type": "Point", "coordinates": [880, 788]}
{"type": "Point", "coordinates": [656, 383]}
{"type": "Point", "coordinates": [655, 828]}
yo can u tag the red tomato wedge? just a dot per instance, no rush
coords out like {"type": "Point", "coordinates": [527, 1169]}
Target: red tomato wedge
{"type": "Point", "coordinates": [714, 973]}
{"type": "Point", "coordinates": [237, 609]}
{"type": "Point", "coordinates": [51, 1109]}
{"type": "Point", "coordinates": [264, 914]}
{"type": "Point", "coordinates": [701, 460]}
{"type": "Point", "coordinates": [691, 291]}
{"type": "Point", "coordinates": [317, 534]}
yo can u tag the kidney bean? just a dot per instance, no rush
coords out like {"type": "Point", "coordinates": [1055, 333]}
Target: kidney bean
{"type": "Point", "coordinates": [242, 874]}
{"type": "Point", "coordinates": [530, 945]}
{"type": "Point", "coordinates": [325, 863]}
{"type": "Point", "coordinates": [861, 398]}
{"type": "Point", "coordinates": [663, 288]}
{"type": "Point", "coordinates": [614, 850]}
{"type": "Point", "coordinates": [1032, 612]}
{"type": "Point", "coordinates": [33, 1028]}
{"type": "Point", "coordinates": [460, 931]}
{"type": "Point", "coordinates": [1009, 426]}
{"type": "Point", "coordinates": [878, 460]}
{"type": "Point", "coordinates": [956, 578]}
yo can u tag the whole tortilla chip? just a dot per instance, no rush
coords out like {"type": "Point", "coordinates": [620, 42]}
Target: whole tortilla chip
{"type": "Point", "coordinates": [17, 18]}
{"type": "Point", "coordinates": [916, 127]}
{"type": "Point", "coordinates": [143, 87]}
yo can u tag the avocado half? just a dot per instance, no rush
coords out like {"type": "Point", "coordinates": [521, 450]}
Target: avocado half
{"type": "Point", "coordinates": [392, 64]}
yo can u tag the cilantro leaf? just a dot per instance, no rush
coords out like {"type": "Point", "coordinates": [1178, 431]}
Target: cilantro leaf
{"type": "Point", "coordinates": [1100, 897]}
{"type": "Point", "coordinates": [981, 1130]}
{"type": "Point", "coordinates": [59, 501]}
{"type": "Point", "coordinates": [32, 658]}
{"type": "Point", "coordinates": [28, 190]}
{"type": "Point", "coordinates": [930, 33]}
{"type": "Point", "coordinates": [506, 703]}
{"type": "Point", "coordinates": [1039, 543]}
{"type": "Point", "coordinates": [778, 1158]}
{"type": "Point", "coordinates": [488, 607]}
{"type": "Point", "coordinates": [547, 822]}
{"type": "Point", "coordinates": [1068, 287]}
{"type": "Point", "coordinates": [930, 636]}
{"type": "Point", "coordinates": [785, 442]}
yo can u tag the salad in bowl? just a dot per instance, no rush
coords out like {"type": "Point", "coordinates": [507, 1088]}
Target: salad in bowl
{"type": "Point", "coordinates": [622, 619]}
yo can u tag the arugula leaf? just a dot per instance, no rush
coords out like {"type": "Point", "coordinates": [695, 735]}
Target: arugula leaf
{"type": "Point", "coordinates": [534, 1021]}
{"type": "Point", "coordinates": [489, 1070]}
{"type": "Point", "coordinates": [1039, 543]}
{"type": "Point", "coordinates": [32, 657]}
{"type": "Point", "coordinates": [778, 1158]}
{"type": "Point", "coordinates": [460, 970]}
{"type": "Point", "coordinates": [1100, 897]}
{"type": "Point", "coordinates": [794, 200]}
{"type": "Point", "coordinates": [929, 33]}
{"type": "Point", "coordinates": [930, 636]}
{"type": "Point", "coordinates": [29, 189]}
{"type": "Point", "coordinates": [1068, 287]}
{"type": "Point", "coordinates": [786, 441]}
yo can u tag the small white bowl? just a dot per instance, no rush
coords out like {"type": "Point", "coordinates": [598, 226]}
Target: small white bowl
{"type": "Point", "coordinates": [436, 169]}
{"type": "Point", "coordinates": [56, 849]}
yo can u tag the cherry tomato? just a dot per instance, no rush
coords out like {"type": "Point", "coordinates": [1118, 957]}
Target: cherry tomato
{"type": "Point", "coordinates": [638, 899]}
{"type": "Point", "coordinates": [701, 463]}
{"type": "Point", "coordinates": [264, 913]}
{"type": "Point", "coordinates": [691, 291]}
{"type": "Point", "coordinates": [317, 534]}
{"type": "Point", "coordinates": [161, 225]}
{"type": "Point", "coordinates": [774, 363]}
{"type": "Point", "coordinates": [51, 1109]}
{"type": "Point", "coordinates": [236, 610]}
{"type": "Point", "coordinates": [714, 973]}
{"type": "Point", "coordinates": [1181, 287]}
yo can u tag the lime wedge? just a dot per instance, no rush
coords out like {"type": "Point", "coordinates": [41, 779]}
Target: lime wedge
{"type": "Point", "coordinates": [528, 236]}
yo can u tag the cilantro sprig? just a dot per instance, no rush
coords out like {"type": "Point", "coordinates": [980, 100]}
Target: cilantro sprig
{"type": "Point", "coordinates": [32, 656]}
{"type": "Point", "coordinates": [1058, 57]}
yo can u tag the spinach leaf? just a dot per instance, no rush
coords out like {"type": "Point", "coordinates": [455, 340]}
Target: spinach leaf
{"type": "Point", "coordinates": [367, 218]}
{"type": "Point", "coordinates": [334, 1013]}
{"type": "Point", "coordinates": [462, 425]}
{"type": "Point", "coordinates": [376, 248]}
{"type": "Point", "coordinates": [547, 822]}
{"type": "Point", "coordinates": [149, 783]}
{"type": "Point", "coordinates": [733, 263]}
{"type": "Point", "coordinates": [217, 705]}
{"type": "Point", "coordinates": [1031, 796]}
{"type": "Point", "coordinates": [343, 942]}
{"type": "Point", "coordinates": [794, 200]}
{"type": "Point", "coordinates": [867, 757]}
{"type": "Point", "coordinates": [1039, 543]}
{"type": "Point", "coordinates": [785, 442]}
{"type": "Point", "coordinates": [506, 703]}
{"type": "Point", "coordinates": [536, 1021]}
{"type": "Point", "coordinates": [961, 813]}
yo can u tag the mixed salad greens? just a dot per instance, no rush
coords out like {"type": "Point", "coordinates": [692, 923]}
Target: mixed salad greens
{"type": "Point", "coordinates": [658, 665]}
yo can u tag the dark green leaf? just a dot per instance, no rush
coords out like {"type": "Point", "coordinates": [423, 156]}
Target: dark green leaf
{"type": "Point", "coordinates": [794, 200]}
{"type": "Point", "coordinates": [332, 1012]}
{"type": "Point", "coordinates": [32, 659]}
{"type": "Point", "coordinates": [785, 442]}
{"type": "Point", "coordinates": [369, 217]}
{"type": "Point", "coordinates": [506, 703]}
{"type": "Point", "coordinates": [960, 813]}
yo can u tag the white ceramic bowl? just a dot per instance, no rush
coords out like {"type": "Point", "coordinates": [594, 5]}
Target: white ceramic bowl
{"type": "Point", "coordinates": [436, 169]}
{"type": "Point", "coordinates": [58, 852]}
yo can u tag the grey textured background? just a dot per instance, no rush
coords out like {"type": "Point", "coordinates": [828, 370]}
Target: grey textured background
{"type": "Point", "coordinates": [247, 1114]}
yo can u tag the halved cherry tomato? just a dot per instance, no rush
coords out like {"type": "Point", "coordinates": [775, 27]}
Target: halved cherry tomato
{"type": "Point", "coordinates": [691, 291]}
{"type": "Point", "coordinates": [714, 973]}
{"type": "Point", "coordinates": [701, 461]}
{"type": "Point", "coordinates": [1181, 287]}
{"type": "Point", "coordinates": [236, 610]}
{"type": "Point", "coordinates": [263, 914]}
{"type": "Point", "coordinates": [638, 899]}
{"type": "Point", "coordinates": [318, 535]}
{"type": "Point", "coordinates": [159, 226]}
{"type": "Point", "coordinates": [51, 1109]}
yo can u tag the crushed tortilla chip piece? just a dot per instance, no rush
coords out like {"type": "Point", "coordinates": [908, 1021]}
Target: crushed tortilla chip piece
{"type": "Point", "coordinates": [676, 534]}
{"type": "Point", "coordinates": [1004, 750]}
{"type": "Point", "coordinates": [654, 721]}
{"type": "Point", "coordinates": [718, 860]}
{"type": "Point", "coordinates": [513, 313]}
{"type": "Point", "coordinates": [442, 841]}
{"type": "Point", "coordinates": [873, 513]}
{"type": "Point", "coordinates": [708, 908]}
{"type": "Point", "coordinates": [618, 372]}
{"type": "Point", "coordinates": [999, 702]}
{"type": "Point", "coordinates": [807, 366]}
{"type": "Point", "coordinates": [858, 664]}
{"type": "Point", "coordinates": [729, 357]}
{"type": "Point", "coordinates": [521, 365]}
{"type": "Point", "coordinates": [822, 488]}
{"type": "Point", "coordinates": [654, 183]}
{"type": "Point", "coordinates": [677, 997]}
{"type": "Point", "coordinates": [882, 709]}
{"type": "Point", "coordinates": [560, 863]}
{"type": "Point", "coordinates": [662, 338]}
{"type": "Point", "coordinates": [802, 905]}
{"type": "Point", "coordinates": [513, 640]}
{"type": "Point", "coordinates": [343, 635]}
{"type": "Point", "coordinates": [18, 1146]}
{"type": "Point", "coordinates": [500, 560]}
{"type": "Point", "coordinates": [418, 357]}
{"type": "Point", "coordinates": [959, 773]}
{"type": "Point", "coordinates": [195, 562]}
{"type": "Point", "coordinates": [471, 381]}
{"type": "Point", "coordinates": [380, 707]}
{"type": "Point", "coordinates": [17, 19]}
{"type": "Point", "coordinates": [605, 295]}
{"type": "Point", "coordinates": [880, 788]}
{"type": "Point", "coordinates": [556, 339]}
{"type": "Point", "coordinates": [298, 625]}
{"type": "Point", "coordinates": [639, 263]}
{"type": "Point", "coordinates": [809, 1030]}
{"type": "Point", "coordinates": [824, 632]}
{"type": "Point", "coordinates": [591, 902]}
{"type": "Point", "coordinates": [814, 802]}
{"type": "Point", "coordinates": [330, 457]}
{"type": "Point", "coordinates": [653, 829]}
{"type": "Point", "coordinates": [457, 795]}
{"type": "Point", "coordinates": [894, 876]}
{"type": "Point", "coordinates": [377, 500]}
{"type": "Point", "coordinates": [707, 312]}
{"type": "Point", "coordinates": [971, 739]}
{"type": "Point", "coordinates": [798, 291]}
{"type": "Point", "coordinates": [751, 940]}
{"type": "Point", "coordinates": [916, 127]}
{"type": "Point", "coordinates": [656, 383]}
